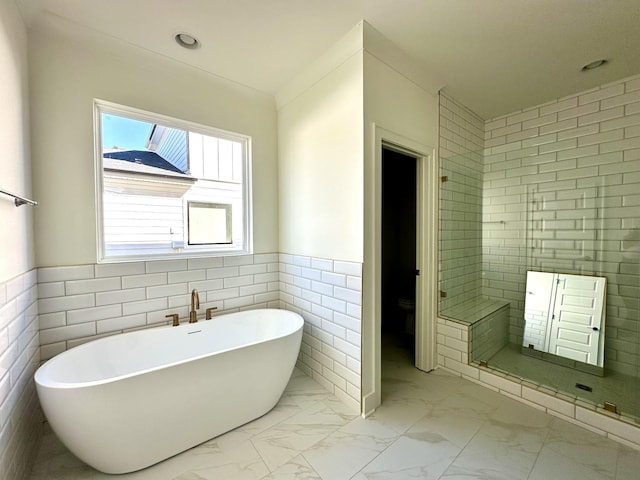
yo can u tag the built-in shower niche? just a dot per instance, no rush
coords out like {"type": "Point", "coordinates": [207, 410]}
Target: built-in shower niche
{"type": "Point", "coordinates": [564, 320]}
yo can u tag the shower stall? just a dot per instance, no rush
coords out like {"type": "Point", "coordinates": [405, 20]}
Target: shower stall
{"type": "Point", "coordinates": [551, 193]}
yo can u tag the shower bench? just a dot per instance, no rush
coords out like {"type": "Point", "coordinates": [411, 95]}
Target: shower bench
{"type": "Point", "coordinates": [487, 322]}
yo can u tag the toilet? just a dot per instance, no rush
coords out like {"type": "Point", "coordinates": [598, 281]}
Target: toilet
{"type": "Point", "coordinates": [408, 308]}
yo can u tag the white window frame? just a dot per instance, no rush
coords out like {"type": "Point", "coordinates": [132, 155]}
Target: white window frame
{"type": "Point", "coordinates": [189, 251]}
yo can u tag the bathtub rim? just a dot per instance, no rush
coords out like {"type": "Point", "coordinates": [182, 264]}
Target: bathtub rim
{"type": "Point", "coordinates": [42, 380]}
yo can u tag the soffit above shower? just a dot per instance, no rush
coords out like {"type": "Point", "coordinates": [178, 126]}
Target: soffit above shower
{"type": "Point", "coordinates": [495, 56]}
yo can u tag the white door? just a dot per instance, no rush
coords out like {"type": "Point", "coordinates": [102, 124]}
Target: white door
{"type": "Point", "coordinates": [577, 318]}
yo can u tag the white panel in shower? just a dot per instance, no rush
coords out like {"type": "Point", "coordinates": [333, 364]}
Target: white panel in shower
{"type": "Point", "coordinates": [576, 322]}
{"type": "Point", "coordinates": [564, 316]}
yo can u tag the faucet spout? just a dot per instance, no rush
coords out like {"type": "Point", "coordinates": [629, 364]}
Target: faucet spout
{"type": "Point", "coordinates": [195, 304]}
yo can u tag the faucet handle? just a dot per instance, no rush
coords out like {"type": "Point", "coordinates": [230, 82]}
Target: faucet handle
{"type": "Point", "coordinates": [208, 312]}
{"type": "Point", "coordinates": [175, 318]}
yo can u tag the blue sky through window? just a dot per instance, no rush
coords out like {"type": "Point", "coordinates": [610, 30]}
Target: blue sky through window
{"type": "Point", "coordinates": [124, 133]}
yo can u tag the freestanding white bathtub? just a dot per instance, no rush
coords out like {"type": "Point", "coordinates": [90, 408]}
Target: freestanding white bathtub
{"type": "Point", "coordinates": [125, 402]}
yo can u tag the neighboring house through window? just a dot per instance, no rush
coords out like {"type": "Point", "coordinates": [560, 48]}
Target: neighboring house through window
{"type": "Point", "coordinates": [169, 188]}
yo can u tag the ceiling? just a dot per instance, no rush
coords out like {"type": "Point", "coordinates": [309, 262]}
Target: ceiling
{"type": "Point", "coordinates": [494, 56]}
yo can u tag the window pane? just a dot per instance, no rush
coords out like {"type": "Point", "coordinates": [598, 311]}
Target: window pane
{"type": "Point", "coordinates": [168, 190]}
{"type": "Point", "coordinates": [225, 160]}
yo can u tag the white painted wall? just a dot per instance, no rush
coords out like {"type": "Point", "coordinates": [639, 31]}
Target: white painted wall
{"type": "Point", "coordinates": [16, 234]}
{"type": "Point", "coordinates": [398, 104]}
{"type": "Point", "coordinates": [324, 136]}
{"type": "Point", "coordinates": [66, 75]}
{"type": "Point", "coordinates": [320, 143]}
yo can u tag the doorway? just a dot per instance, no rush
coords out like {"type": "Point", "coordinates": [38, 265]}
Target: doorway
{"type": "Point", "coordinates": [398, 265]}
{"type": "Point", "coordinates": [425, 243]}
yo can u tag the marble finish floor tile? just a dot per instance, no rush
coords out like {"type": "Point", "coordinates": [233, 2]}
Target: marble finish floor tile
{"type": "Point", "coordinates": [420, 455]}
{"type": "Point", "coordinates": [430, 426]}
{"type": "Point", "coordinates": [501, 451]}
{"type": "Point", "coordinates": [328, 456]}
{"type": "Point", "coordinates": [296, 469]}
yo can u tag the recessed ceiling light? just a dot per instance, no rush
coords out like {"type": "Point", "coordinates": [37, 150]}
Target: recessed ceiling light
{"type": "Point", "coordinates": [594, 65]}
{"type": "Point", "coordinates": [187, 41]}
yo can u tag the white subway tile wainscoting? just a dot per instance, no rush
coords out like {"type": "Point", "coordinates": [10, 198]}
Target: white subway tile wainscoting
{"type": "Point", "coordinates": [20, 414]}
{"type": "Point", "coordinates": [328, 294]}
{"type": "Point", "coordinates": [85, 302]}
{"type": "Point", "coordinates": [81, 303]}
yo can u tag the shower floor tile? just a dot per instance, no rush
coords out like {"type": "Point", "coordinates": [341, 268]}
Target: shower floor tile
{"type": "Point", "coordinates": [429, 426]}
{"type": "Point", "coordinates": [623, 390]}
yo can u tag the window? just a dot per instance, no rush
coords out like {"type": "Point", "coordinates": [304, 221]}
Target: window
{"type": "Point", "coordinates": [168, 188]}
